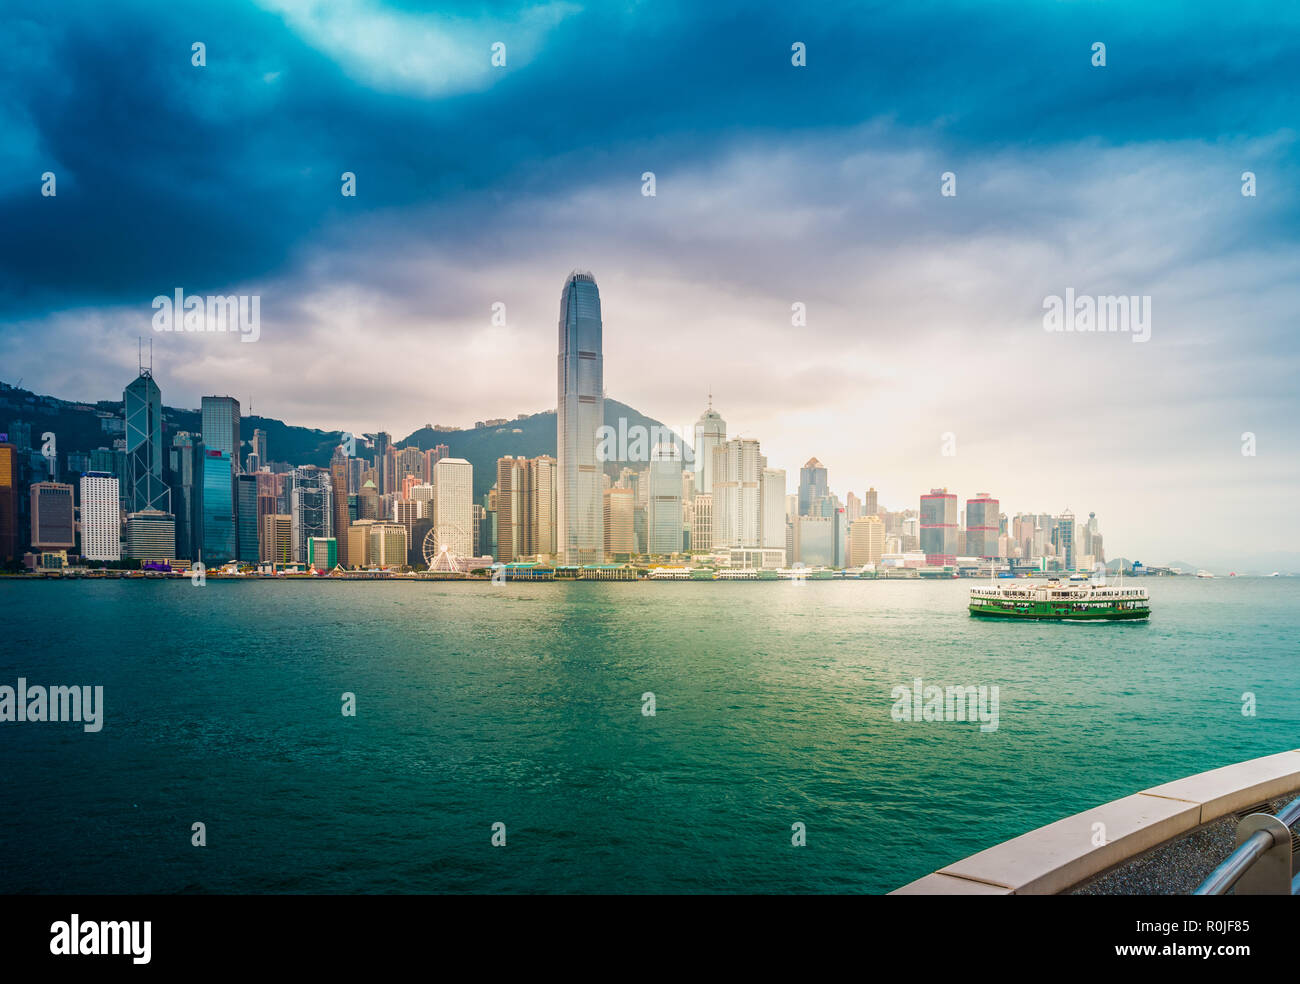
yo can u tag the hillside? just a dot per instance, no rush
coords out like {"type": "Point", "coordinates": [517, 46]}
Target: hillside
{"type": "Point", "coordinates": [79, 427]}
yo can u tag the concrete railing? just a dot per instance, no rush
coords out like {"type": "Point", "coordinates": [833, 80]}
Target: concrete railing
{"type": "Point", "coordinates": [1061, 855]}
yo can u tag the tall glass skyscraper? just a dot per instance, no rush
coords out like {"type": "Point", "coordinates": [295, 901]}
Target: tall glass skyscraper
{"type": "Point", "coordinates": [142, 401]}
{"type": "Point", "coordinates": [246, 518]}
{"type": "Point", "coordinates": [580, 413]}
{"type": "Point", "coordinates": [187, 493]}
{"type": "Point", "coordinates": [812, 486]}
{"type": "Point", "coordinates": [710, 433]}
{"type": "Point", "coordinates": [219, 536]}
{"type": "Point", "coordinates": [221, 427]}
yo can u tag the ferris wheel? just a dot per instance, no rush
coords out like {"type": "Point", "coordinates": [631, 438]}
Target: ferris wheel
{"type": "Point", "coordinates": [440, 547]}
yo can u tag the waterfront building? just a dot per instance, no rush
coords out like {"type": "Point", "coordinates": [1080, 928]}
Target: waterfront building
{"type": "Point", "coordinates": [664, 504]}
{"type": "Point", "coordinates": [339, 474]}
{"type": "Point", "coordinates": [814, 541]}
{"type": "Point", "coordinates": [702, 522]}
{"type": "Point", "coordinates": [619, 523]}
{"type": "Point", "coordinates": [388, 544]}
{"type": "Point", "coordinates": [359, 543]}
{"type": "Point", "coordinates": [9, 533]}
{"type": "Point", "coordinates": [101, 517]}
{"type": "Point", "coordinates": [311, 507]}
{"type": "Point", "coordinates": [322, 553]}
{"type": "Point", "coordinates": [771, 496]}
{"type": "Point", "coordinates": [277, 538]}
{"type": "Point", "coordinates": [142, 401]}
{"type": "Point", "coordinates": [186, 470]}
{"type": "Point", "coordinates": [580, 414]}
{"type": "Point", "coordinates": [246, 511]}
{"type": "Point", "coordinates": [983, 526]}
{"type": "Point", "coordinates": [151, 535]}
{"type": "Point", "coordinates": [1064, 539]}
{"type": "Point", "coordinates": [220, 537]}
{"type": "Point", "coordinates": [453, 504]}
{"type": "Point", "coordinates": [938, 527]}
{"type": "Point", "coordinates": [737, 470]}
{"type": "Point", "coordinates": [866, 541]}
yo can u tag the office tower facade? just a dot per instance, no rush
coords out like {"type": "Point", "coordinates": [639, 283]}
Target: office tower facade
{"type": "Point", "coordinates": [1064, 540]}
{"type": "Point", "coordinates": [412, 461]}
{"type": "Point", "coordinates": [545, 488]}
{"type": "Point", "coordinates": [151, 535]}
{"type": "Point", "coordinates": [664, 503]}
{"type": "Point", "coordinates": [322, 553]}
{"type": "Point", "coordinates": [619, 523]}
{"type": "Point", "coordinates": [359, 543]}
{"type": "Point", "coordinates": [220, 536]}
{"type": "Point", "coordinates": [311, 507]}
{"type": "Point", "coordinates": [512, 508]}
{"type": "Point", "coordinates": [580, 414]}
{"type": "Point", "coordinates": [771, 494]}
{"type": "Point", "coordinates": [866, 541]}
{"type": "Point", "coordinates": [813, 485]}
{"type": "Point", "coordinates": [870, 503]}
{"type": "Point", "coordinates": [702, 522]}
{"type": "Point", "coordinates": [259, 446]}
{"type": "Point", "coordinates": [453, 505]}
{"type": "Point", "coordinates": [814, 541]}
{"type": "Point", "coordinates": [710, 433]}
{"type": "Point", "coordinates": [737, 471]}
{"type": "Point", "coordinates": [9, 534]}
{"type": "Point", "coordinates": [938, 527]}
{"type": "Point", "coordinates": [142, 402]}
{"type": "Point", "coordinates": [388, 545]}
{"type": "Point", "coordinates": [53, 519]}
{"type": "Point", "coordinates": [101, 517]}
{"type": "Point", "coordinates": [186, 469]}
{"type": "Point", "coordinates": [221, 428]}
{"type": "Point", "coordinates": [382, 445]}
{"type": "Point", "coordinates": [277, 538]}
{"type": "Point", "coordinates": [246, 511]}
{"type": "Point", "coordinates": [983, 526]}
{"type": "Point", "coordinates": [339, 483]}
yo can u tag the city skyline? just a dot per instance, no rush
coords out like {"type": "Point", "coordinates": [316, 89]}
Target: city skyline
{"type": "Point", "coordinates": [922, 315]}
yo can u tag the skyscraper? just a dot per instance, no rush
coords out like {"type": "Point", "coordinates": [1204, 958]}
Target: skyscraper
{"type": "Point", "coordinates": [453, 505]}
{"type": "Point", "coordinates": [771, 495]}
{"type": "Point", "coordinates": [710, 431]}
{"type": "Point", "coordinates": [812, 485]}
{"type": "Point", "coordinates": [939, 527]}
{"type": "Point", "coordinates": [983, 524]}
{"type": "Point", "coordinates": [311, 508]}
{"type": "Point", "coordinates": [580, 413]}
{"type": "Point", "coordinates": [219, 534]}
{"type": "Point", "coordinates": [101, 518]}
{"type": "Point", "coordinates": [142, 401]}
{"type": "Point", "coordinates": [186, 469]}
{"type": "Point", "coordinates": [620, 510]}
{"type": "Point", "coordinates": [53, 524]}
{"type": "Point", "coordinates": [259, 446]}
{"type": "Point", "coordinates": [221, 427]}
{"type": "Point", "coordinates": [737, 470]}
{"type": "Point", "coordinates": [871, 504]}
{"type": "Point", "coordinates": [246, 510]}
{"type": "Point", "coordinates": [8, 504]}
{"type": "Point", "coordinates": [339, 481]}
{"type": "Point", "coordinates": [664, 504]}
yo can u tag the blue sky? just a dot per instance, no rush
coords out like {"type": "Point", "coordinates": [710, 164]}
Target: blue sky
{"type": "Point", "coordinates": [775, 185]}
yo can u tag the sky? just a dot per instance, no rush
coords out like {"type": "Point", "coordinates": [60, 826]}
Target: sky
{"type": "Point", "coordinates": [922, 360]}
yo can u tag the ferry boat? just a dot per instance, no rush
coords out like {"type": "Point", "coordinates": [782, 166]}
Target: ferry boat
{"type": "Point", "coordinates": [1060, 602]}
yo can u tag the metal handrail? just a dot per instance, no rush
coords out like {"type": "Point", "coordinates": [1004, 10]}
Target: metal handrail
{"type": "Point", "coordinates": [1259, 835]}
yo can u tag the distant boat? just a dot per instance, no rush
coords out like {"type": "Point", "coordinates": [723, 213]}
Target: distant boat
{"type": "Point", "coordinates": [1204, 574]}
{"type": "Point", "coordinates": [1275, 574]}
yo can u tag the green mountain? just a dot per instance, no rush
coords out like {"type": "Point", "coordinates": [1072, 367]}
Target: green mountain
{"type": "Point", "coordinates": [82, 427]}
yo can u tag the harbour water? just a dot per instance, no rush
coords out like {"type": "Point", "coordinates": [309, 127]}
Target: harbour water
{"type": "Point", "coordinates": [523, 704]}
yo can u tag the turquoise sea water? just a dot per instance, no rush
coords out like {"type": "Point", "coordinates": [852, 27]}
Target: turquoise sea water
{"type": "Point", "coordinates": [523, 704]}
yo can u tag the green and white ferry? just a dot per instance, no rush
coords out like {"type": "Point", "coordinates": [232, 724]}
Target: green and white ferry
{"type": "Point", "coordinates": [1059, 602]}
